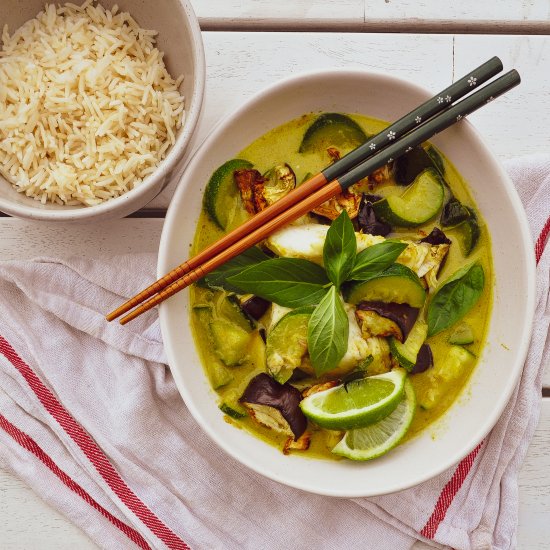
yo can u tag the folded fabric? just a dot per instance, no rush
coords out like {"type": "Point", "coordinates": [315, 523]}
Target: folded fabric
{"type": "Point", "coordinates": [92, 421]}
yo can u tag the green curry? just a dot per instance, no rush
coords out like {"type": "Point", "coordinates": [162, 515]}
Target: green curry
{"type": "Point", "coordinates": [442, 278]}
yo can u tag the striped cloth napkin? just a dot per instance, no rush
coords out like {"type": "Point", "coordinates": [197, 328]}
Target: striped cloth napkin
{"type": "Point", "coordinates": [91, 419]}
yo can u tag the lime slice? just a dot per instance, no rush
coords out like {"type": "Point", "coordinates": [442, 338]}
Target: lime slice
{"type": "Point", "coordinates": [377, 439]}
{"type": "Point", "coordinates": [358, 403]}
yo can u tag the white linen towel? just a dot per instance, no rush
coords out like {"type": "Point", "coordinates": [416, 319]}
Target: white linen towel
{"type": "Point", "coordinates": [91, 419]}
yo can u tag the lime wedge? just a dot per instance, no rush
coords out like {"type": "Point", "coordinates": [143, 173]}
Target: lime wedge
{"type": "Point", "coordinates": [379, 438]}
{"type": "Point", "coordinates": [358, 403]}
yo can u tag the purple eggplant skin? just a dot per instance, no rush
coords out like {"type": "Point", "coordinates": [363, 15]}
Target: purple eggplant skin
{"type": "Point", "coordinates": [366, 219]}
{"type": "Point", "coordinates": [411, 164]}
{"type": "Point", "coordinates": [264, 390]}
{"type": "Point", "coordinates": [402, 314]}
{"type": "Point", "coordinates": [436, 237]}
{"type": "Point", "coordinates": [255, 307]}
{"type": "Point", "coordinates": [424, 359]}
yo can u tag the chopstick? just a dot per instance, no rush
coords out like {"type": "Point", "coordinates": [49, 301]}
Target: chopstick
{"type": "Point", "coordinates": [394, 148]}
{"type": "Point", "coordinates": [436, 104]}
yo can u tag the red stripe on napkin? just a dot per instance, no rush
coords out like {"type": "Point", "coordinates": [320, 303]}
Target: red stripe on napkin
{"type": "Point", "coordinates": [541, 241]}
{"type": "Point", "coordinates": [92, 451]}
{"type": "Point", "coordinates": [30, 445]}
{"type": "Point", "coordinates": [448, 494]}
{"type": "Point", "coordinates": [451, 489]}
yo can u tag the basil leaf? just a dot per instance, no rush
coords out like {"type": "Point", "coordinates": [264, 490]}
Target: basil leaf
{"type": "Point", "coordinates": [455, 298]}
{"type": "Point", "coordinates": [327, 334]}
{"type": "Point", "coordinates": [375, 259]}
{"type": "Point", "coordinates": [289, 282]}
{"type": "Point", "coordinates": [218, 278]}
{"type": "Point", "coordinates": [340, 249]}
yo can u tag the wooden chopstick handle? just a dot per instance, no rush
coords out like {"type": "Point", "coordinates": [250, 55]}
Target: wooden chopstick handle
{"type": "Point", "coordinates": [277, 208]}
{"type": "Point", "coordinates": [151, 290]}
{"type": "Point", "coordinates": [289, 215]}
{"type": "Point", "coordinates": [179, 284]}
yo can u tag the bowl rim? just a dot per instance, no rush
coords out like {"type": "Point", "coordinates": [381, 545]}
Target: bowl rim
{"type": "Point", "coordinates": [163, 265]}
{"type": "Point", "coordinates": [175, 153]}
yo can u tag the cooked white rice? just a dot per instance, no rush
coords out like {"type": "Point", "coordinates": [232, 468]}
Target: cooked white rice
{"type": "Point", "coordinates": [87, 107]}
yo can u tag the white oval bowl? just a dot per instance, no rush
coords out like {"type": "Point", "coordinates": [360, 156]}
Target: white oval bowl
{"type": "Point", "coordinates": [179, 37]}
{"type": "Point", "coordinates": [483, 399]}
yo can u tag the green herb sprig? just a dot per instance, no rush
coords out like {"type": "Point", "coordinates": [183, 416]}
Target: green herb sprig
{"type": "Point", "coordinates": [294, 282]}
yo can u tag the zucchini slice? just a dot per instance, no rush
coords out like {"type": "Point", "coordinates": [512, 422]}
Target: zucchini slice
{"type": "Point", "coordinates": [230, 411]}
{"type": "Point", "coordinates": [286, 344]}
{"type": "Point", "coordinates": [397, 284]}
{"type": "Point", "coordinates": [230, 342]}
{"type": "Point", "coordinates": [406, 353]}
{"type": "Point", "coordinates": [222, 199]}
{"type": "Point", "coordinates": [419, 203]}
{"type": "Point", "coordinates": [443, 375]}
{"type": "Point", "coordinates": [332, 129]}
{"type": "Point", "coordinates": [462, 335]}
{"type": "Point", "coordinates": [468, 233]}
{"type": "Point", "coordinates": [436, 159]}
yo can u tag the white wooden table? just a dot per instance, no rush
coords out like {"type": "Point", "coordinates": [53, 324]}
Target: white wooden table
{"type": "Point", "coordinates": [429, 42]}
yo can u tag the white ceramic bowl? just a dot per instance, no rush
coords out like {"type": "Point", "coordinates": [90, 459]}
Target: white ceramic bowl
{"type": "Point", "coordinates": [180, 39]}
{"type": "Point", "coordinates": [487, 392]}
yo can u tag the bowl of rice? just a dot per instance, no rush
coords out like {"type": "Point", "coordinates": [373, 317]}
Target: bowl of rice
{"type": "Point", "coordinates": [98, 104]}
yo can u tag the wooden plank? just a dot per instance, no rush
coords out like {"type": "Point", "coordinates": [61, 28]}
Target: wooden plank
{"type": "Point", "coordinates": [263, 14]}
{"type": "Point", "coordinates": [23, 240]}
{"type": "Point", "coordinates": [28, 522]}
{"type": "Point", "coordinates": [534, 483]}
{"type": "Point", "coordinates": [518, 124]}
{"type": "Point", "coordinates": [434, 16]}
{"type": "Point", "coordinates": [467, 16]}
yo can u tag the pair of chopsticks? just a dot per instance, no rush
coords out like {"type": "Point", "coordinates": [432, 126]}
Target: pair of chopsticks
{"type": "Point", "coordinates": [430, 118]}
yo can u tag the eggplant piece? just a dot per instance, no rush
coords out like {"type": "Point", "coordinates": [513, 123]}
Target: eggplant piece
{"type": "Point", "coordinates": [367, 220]}
{"type": "Point", "coordinates": [298, 375]}
{"type": "Point", "coordinates": [454, 212]}
{"type": "Point", "coordinates": [254, 307]}
{"type": "Point", "coordinates": [274, 405]}
{"type": "Point", "coordinates": [260, 191]}
{"type": "Point", "coordinates": [402, 316]}
{"type": "Point", "coordinates": [436, 237]}
{"type": "Point", "coordinates": [278, 182]}
{"type": "Point", "coordinates": [411, 164]}
{"type": "Point", "coordinates": [300, 444]}
{"type": "Point", "coordinates": [247, 179]}
{"type": "Point", "coordinates": [424, 359]}
{"type": "Point", "coordinates": [347, 200]}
